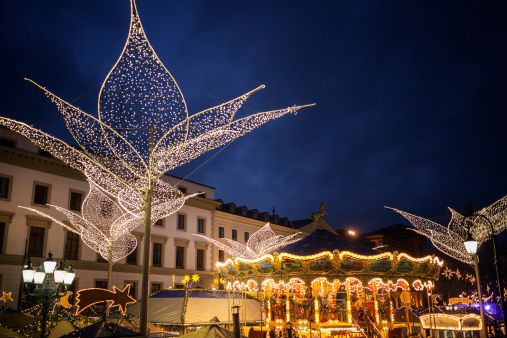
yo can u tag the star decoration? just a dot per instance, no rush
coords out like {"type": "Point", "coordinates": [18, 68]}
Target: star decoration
{"type": "Point", "coordinates": [6, 297]}
{"type": "Point", "coordinates": [195, 278]}
{"type": "Point", "coordinates": [122, 298]}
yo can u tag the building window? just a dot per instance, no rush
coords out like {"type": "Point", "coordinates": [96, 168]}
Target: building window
{"type": "Point", "coordinates": [101, 284]}
{"type": "Point", "coordinates": [160, 222]}
{"type": "Point", "coordinates": [183, 189]}
{"type": "Point", "coordinates": [221, 255]}
{"type": "Point", "coordinates": [157, 255]}
{"type": "Point", "coordinates": [40, 194]}
{"type": "Point", "coordinates": [5, 187]}
{"type": "Point", "coordinates": [180, 257]}
{"type": "Point", "coordinates": [200, 225]}
{"type": "Point", "coordinates": [76, 199]}
{"type": "Point", "coordinates": [5, 142]}
{"type": "Point", "coordinates": [132, 257]}
{"type": "Point", "coordinates": [71, 246]}
{"type": "Point", "coordinates": [133, 287]}
{"type": "Point", "coordinates": [181, 222]}
{"type": "Point", "coordinates": [200, 260]}
{"type": "Point", "coordinates": [36, 242]}
{"type": "Point", "coordinates": [234, 234]}
{"type": "Point", "coordinates": [156, 287]}
{"type": "Point", "coordinates": [221, 232]}
{"type": "Point", "coordinates": [101, 259]}
{"type": "Point", "coordinates": [247, 236]}
{"type": "Point", "coordinates": [3, 226]}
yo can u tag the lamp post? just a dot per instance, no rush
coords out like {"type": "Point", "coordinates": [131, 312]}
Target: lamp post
{"type": "Point", "coordinates": [471, 248]}
{"type": "Point", "coordinates": [235, 321]}
{"type": "Point", "coordinates": [498, 270]}
{"type": "Point", "coordinates": [48, 281]}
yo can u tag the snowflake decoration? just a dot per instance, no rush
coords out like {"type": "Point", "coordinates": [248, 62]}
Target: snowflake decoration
{"type": "Point", "coordinates": [470, 278]}
{"type": "Point", "coordinates": [263, 241]}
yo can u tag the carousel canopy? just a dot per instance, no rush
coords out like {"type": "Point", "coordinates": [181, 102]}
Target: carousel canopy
{"type": "Point", "coordinates": [323, 240]}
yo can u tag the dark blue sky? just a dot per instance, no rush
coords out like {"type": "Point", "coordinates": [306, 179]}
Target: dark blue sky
{"type": "Point", "coordinates": [411, 95]}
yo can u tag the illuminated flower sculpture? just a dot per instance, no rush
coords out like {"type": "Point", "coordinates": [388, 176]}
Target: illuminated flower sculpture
{"type": "Point", "coordinates": [141, 131]}
{"type": "Point", "coordinates": [262, 242]}
{"type": "Point", "coordinates": [102, 225]}
{"type": "Point", "coordinates": [448, 240]}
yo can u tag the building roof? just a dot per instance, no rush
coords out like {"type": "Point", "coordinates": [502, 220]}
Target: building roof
{"type": "Point", "coordinates": [322, 240]}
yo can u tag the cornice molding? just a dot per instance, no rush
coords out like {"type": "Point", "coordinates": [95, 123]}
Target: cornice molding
{"type": "Point", "coordinates": [203, 203]}
{"type": "Point", "coordinates": [33, 161]}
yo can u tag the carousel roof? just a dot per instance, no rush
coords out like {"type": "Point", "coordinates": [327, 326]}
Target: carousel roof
{"type": "Point", "coordinates": [322, 240]}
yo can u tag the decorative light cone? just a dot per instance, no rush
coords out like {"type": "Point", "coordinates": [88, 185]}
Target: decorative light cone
{"type": "Point", "coordinates": [49, 264]}
{"type": "Point", "coordinates": [59, 274]}
{"type": "Point", "coordinates": [69, 277]}
{"type": "Point", "coordinates": [38, 277]}
{"type": "Point", "coordinates": [28, 273]}
{"type": "Point", "coordinates": [471, 245]}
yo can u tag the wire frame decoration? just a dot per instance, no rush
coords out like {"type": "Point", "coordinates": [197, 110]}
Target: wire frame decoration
{"type": "Point", "coordinates": [482, 224]}
{"type": "Point", "coordinates": [102, 225]}
{"type": "Point", "coordinates": [262, 242]}
{"type": "Point", "coordinates": [142, 129]}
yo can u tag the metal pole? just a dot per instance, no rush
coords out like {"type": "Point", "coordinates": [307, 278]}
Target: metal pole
{"type": "Point", "coordinates": [499, 277]}
{"type": "Point", "coordinates": [479, 292]}
{"type": "Point", "coordinates": [235, 320]}
{"type": "Point", "coordinates": [147, 234]}
{"type": "Point", "coordinates": [45, 310]}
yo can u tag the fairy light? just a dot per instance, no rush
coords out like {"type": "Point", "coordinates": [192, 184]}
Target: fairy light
{"type": "Point", "coordinates": [442, 321]}
{"type": "Point", "coordinates": [448, 240]}
{"type": "Point", "coordinates": [103, 226]}
{"type": "Point", "coordinates": [261, 243]}
{"type": "Point", "coordinates": [139, 94]}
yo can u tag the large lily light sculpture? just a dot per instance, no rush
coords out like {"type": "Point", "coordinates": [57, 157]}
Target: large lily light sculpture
{"type": "Point", "coordinates": [102, 225]}
{"type": "Point", "coordinates": [486, 222]}
{"type": "Point", "coordinates": [142, 130]}
{"type": "Point", "coordinates": [262, 242]}
{"type": "Point", "coordinates": [447, 239]}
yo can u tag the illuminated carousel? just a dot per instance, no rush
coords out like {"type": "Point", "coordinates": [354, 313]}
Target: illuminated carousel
{"type": "Point", "coordinates": [333, 291]}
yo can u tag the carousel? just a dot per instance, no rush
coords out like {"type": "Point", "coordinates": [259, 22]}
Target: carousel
{"type": "Point", "coordinates": [344, 289]}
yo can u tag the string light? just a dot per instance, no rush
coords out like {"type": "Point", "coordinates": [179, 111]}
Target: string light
{"type": "Point", "coordinates": [261, 243]}
{"type": "Point", "coordinates": [448, 240]}
{"type": "Point", "coordinates": [142, 130]}
{"type": "Point", "coordinates": [137, 95]}
{"type": "Point", "coordinates": [103, 226]}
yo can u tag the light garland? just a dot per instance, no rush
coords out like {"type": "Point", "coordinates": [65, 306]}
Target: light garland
{"type": "Point", "coordinates": [103, 226]}
{"type": "Point", "coordinates": [139, 95]}
{"type": "Point", "coordinates": [261, 243]}
{"type": "Point", "coordinates": [448, 240]}
{"type": "Point", "coordinates": [142, 131]}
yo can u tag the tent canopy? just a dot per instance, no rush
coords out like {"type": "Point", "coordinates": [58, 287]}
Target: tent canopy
{"type": "Point", "coordinates": [103, 329]}
{"type": "Point", "coordinates": [166, 307]}
{"type": "Point", "coordinates": [210, 331]}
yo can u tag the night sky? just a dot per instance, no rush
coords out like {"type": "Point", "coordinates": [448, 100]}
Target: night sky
{"type": "Point", "coordinates": [411, 102]}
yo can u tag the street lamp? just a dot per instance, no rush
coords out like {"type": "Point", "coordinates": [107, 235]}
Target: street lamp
{"type": "Point", "coordinates": [471, 248]}
{"type": "Point", "coordinates": [48, 281]}
{"type": "Point", "coordinates": [498, 270]}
